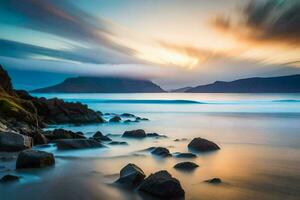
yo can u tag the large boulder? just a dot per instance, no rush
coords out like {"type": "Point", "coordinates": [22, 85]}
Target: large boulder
{"type": "Point", "coordinates": [34, 159]}
{"type": "Point", "coordinates": [10, 141]}
{"type": "Point", "coordinates": [161, 151]}
{"type": "Point", "coordinates": [202, 145]}
{"type": "Point", "coordinates": [58, 134]}
{"type": "Point", "coordinates": [39, 139]}
{"type": "Point", "coordinates": [131, 176]}
{"type": "Point", "coordinates": [139, 133]}
{"type": "Point", "coordinates": [163, 185]}
{"type": "Point", "coordinates": [67, 144]}
{"type": "Point", "coordinates": [187, 166]}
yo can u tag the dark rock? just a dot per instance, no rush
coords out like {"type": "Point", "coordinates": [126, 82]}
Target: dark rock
{"type": "Point", "coordinates": [161, 151]}
{"type": "Point", "coordinates": [58, 134]}
{"type": "Point", "coordinates": [163, 185]}
{"type": "Point", "coordinates": [115, 119]}
{"type": "Point", "coordinates": [186, 155]}
{"type": "Point", "coordinates": [9, 178]}
{"type": "Point", "coordinates": [139, 133]}
{"type": "Point", "coordinates": [34, 159]}
{"type": "Point", "coordinates": [67, 144]}
{"type": "Point", "coordinates": [181, 140]}
{"type": "Point", "coordinates": [118, 143]}
{"type": "Point", "coordinates": [39, 139]}
{"type": "Point", "coordinates": [186, 166]}
{"type": "Point", "coordinates": [155, 135]}
{"type": "Point", "coordinates": [99, 113]}
{"type": "Point", "coordinates": [202, 145]}
{"type": "Point", "coordinates": [10, 141]}
{"type": "Point", "coordinates": [127, 115]}
{"type": "Point", "coordinates": [5, 82]}
{"type": "Point", "coordinates": [100, 137]}
{"type": "Point", "coordinates": [214, 181]}
{"type": "Point", "coordinates": [131, 176]}
{"type": "Point", "coordinates": [128, 121]}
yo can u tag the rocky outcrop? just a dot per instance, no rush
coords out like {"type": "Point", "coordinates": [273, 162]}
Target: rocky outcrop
{"type": "Point", "coordinates": [187, 166]}
{"type": "Point", "coordinates": [10, 141]}
{"type": "Point", "coordinates": [202, 145]}
{"type": "Point", "coordinates": [162, 184]}
{"type": "Point", "coordinates": [131, 176]}
{"type": "Point", "coordinates": [139, 133]}
{"type": "Point", "coordinates": [58, 134]}
{"type": "Point", "coordinates": [161, 151]}
{"type": "Point", "coordinates": [34, 159]}
{"type": "Point", "coordinates": [56, 111]}
{"type": "Point", "coordinates": [5, 82]}
{"type": "Point", "coordinates": [68, 144]}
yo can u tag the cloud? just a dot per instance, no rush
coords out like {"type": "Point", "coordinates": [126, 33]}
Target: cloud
{"type": "Point", "coordinates": [265, 21]}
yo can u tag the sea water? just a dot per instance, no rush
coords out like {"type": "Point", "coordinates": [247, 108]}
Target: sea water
{"type": "Point", "coordinates": [259, 136]}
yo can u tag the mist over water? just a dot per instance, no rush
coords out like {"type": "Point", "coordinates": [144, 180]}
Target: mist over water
{"type": "Point", "coordinates": [258, 135]}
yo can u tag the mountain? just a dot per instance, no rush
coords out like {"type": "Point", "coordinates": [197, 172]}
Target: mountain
{"type": "Point", "coordinates": [102, 85]}
{"type": "Point", "coordinates": [179, 90]}
{"type": "Point", "coordinates": [282, 84]}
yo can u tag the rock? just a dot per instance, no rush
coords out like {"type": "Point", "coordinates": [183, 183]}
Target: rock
{"type": "Point", "coordinates": [131, 176]}
{"type": "Point", "coordinates": [100, 137]}
{"type": "Point", "coordinates": [181, 140]}
{"type": "Point", "coordinates": [118, 143]}
{"type": "Point", "coordinates": [66, 144]}
{"type": "Point", "coordinates": [186, 155]}
{"type": "Point", "coordinates": [115, 119]}
{"type": "Point", "coordinates": [34, 159]}
{"type": "Point", "coordinates": [98, 134]}
{"type": "Point", "coordinates": [9, 178]}
{"type": "Point", "coordinates": [163, 185]}
{"type": "Point", "coordinates": [161, 151]}
{"type": "Point", "coordinates": [155, 135]}
{"type": "Point", "coordinates": [39, 139]}
{"type": "Point", "coordinates": [139, 133]}
{"type": "Point", "coordinates": [214, 181]}
{"type": "Point", "coordinates": [188, 166]}
{"type": "Point", "coordinates": [128, 121]}
{"type": "Point", "coordinates": [58, 134]}
{"type": "Point", "coordinates": [127, 115]}
{"type": "Point", "coordinates": [202, 145]}
{"type": "Point", "coordinates": [10, 141]}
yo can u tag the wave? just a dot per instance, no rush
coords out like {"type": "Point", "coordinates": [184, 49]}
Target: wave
{"type": "Point", "coordinates": [137, 101]}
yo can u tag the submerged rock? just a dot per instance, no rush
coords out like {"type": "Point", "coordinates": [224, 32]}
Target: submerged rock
{"type": "Point", "coordinates": [214, 181]}
{"type": "Point", "coordinates": [162, 184]}
{"type": "Point", "coordinates": [188, 166]}
{"type": "Point", "coordinates": [131, 176]}
{"type": "Point", "coordinates": [127, 115]}
{"type": "Point", "coordinates": [58, 134]}
{"type": "Point", "coordinates": [9, 178]}
{"type": "Point", "coordinates": [181, 140]}
{"type": "Point", "coordinates": [67, 144]}
{"type": "Point", "coordinates": [34, 159]}
{"type": "Point", "coordinates": [202, 145]}
{"type": "Point", "coordinates": [115, 119]}
{"type": "Point", "coordinates": [10, 141]}
{"type": "Point", "coordinates": [155, 135]}
{"type": "Point", "coordinates": [139, 133]}
{"type": "Point", "coordinates": [161, 151]}
{"type": "Point", "coordinates": [186, 155]}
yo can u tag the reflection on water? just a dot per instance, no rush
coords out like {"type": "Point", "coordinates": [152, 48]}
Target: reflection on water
{"type": "Point", "coordinates": [258, 134]}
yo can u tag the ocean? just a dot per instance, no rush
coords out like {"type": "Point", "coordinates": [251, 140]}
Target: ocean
{"type": "Point", "coordinates": [259, 136]}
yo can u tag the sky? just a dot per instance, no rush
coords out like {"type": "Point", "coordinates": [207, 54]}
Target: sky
{"type": "Point", "coordinates": [175, 43]}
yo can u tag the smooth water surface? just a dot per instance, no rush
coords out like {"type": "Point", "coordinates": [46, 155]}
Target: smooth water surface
{"type": "Point", "coordinates": [259, 136]}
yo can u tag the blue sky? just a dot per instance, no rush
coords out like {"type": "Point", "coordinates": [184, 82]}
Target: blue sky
{"type": "Point", "coordinates": [175, 43]}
